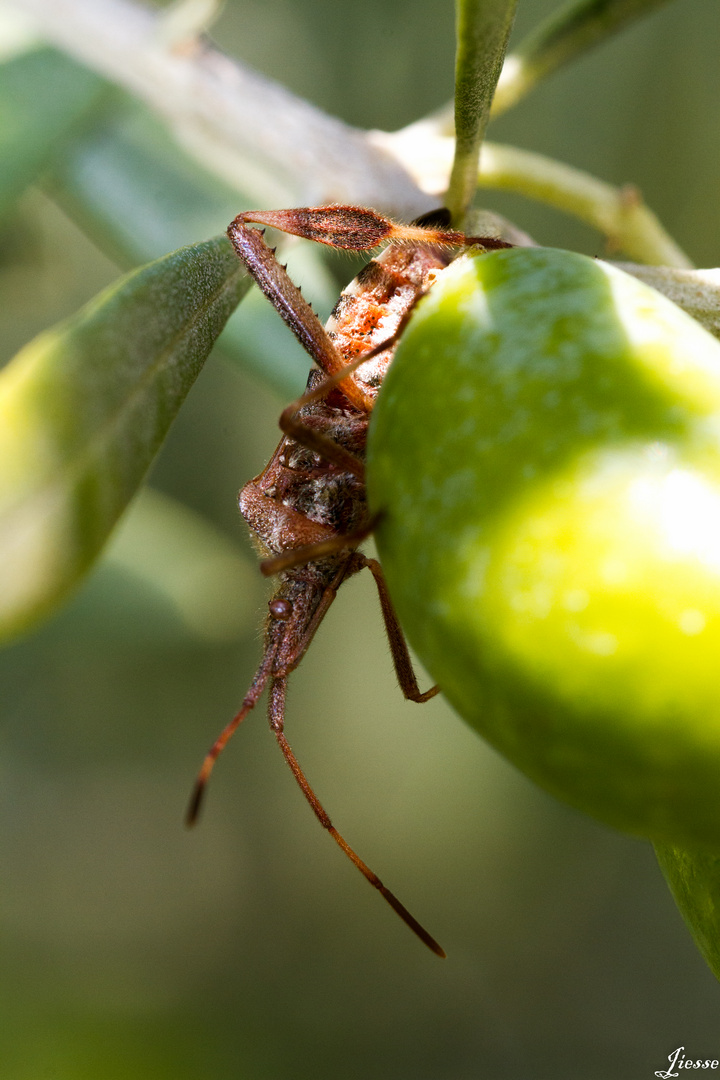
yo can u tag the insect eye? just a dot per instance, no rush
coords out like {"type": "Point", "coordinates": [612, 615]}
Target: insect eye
{"type": "Point", "coordinates": [280, 609]}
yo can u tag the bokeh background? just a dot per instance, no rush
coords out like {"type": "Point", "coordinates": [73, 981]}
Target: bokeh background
{"type": "Point", "coordinates": [249, 948]}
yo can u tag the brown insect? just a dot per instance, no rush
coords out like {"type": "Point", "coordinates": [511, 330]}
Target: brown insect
{"type": "Point", "coordinates": [308, 506]}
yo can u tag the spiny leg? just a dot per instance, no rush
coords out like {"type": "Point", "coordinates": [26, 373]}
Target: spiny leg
{"type": "Point", "coordinates": [274, 281]}
{"type": "Point", "coordinates": [277, 724]}
{"type": "Point", "coordinates": [350, 227]}
{"type": "Point", "coordinates": [353, 228]}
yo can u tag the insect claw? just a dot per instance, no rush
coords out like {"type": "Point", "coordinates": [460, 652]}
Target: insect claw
{"type": "Point", "coordinates": [196, 799]}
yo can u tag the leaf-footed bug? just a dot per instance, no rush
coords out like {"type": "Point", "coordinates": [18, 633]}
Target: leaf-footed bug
{"type": "Point", "coordinates": [308, 507]}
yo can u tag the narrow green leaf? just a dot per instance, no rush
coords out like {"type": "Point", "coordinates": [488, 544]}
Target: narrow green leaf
{"type": "Point", "coordinates": [85, 407]}
{"type": "Point", "coordinates": [483, 28]}
{"type": "Point", "coordinates": [693, 875]}
{"type": "Point", "coordinates": [566, 34]}
{"type": "Point", "coordinates": [43, 97]}
{"type": "Point", "coordinates": [695, 291]}
{"type": "Point", "coordinates": [128, 185]}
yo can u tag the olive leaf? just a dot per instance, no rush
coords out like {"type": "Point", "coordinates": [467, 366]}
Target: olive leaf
{"type": "Point", "coordinates": [567, 33]}
{"type": "Point", "coordinates": [83, 410]}
{"type": "Point", "coordinates": [693, 875]}
{"type": "Point", "coordinates": [129, 186]}
{"type": "Point", "coordinates": [695, 291]}
{"type": "Point", "coordinates": [44, 96]}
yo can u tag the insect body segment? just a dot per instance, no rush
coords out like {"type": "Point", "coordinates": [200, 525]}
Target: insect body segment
{"type": "Point", "coordinates": [308, 507]}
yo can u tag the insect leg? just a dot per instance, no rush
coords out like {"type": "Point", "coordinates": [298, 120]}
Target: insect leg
{"type": "Point", "coordinates": [315, 440]}
{"type": "Point", "coordinates": [281, 527]}
{"type": "Point", "coordinates": [274, 281]}
{"type": "Point", "coordinates": [293, 426]}
{"type": "Point", "coordinates": [357, 228]}
{"type": "Point", "coordinates": [277, 724]}
{"type": "Point", "coordinates": [283, 651]}
{"type": "Point", "coordinates": [249, 701]}
{"type": "Point", "coordinates": [301, 556]}
{"type": "Point", "coordinates": [398, 645]}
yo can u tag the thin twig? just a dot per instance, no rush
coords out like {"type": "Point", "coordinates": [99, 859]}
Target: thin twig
{"type": "Point", "coordinates": [256, 134]}
{"type": "Point", "coordinates": [619, 213]}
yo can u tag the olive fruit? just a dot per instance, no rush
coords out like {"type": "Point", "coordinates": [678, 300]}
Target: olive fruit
{"type": "Point", "coordinates": [544, 461]}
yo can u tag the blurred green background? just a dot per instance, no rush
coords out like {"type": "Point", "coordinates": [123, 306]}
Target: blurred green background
{"type": "Point", "coordinates": [250, 948]}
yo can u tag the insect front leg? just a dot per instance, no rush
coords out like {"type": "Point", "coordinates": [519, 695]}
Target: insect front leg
{"type": "Point", "coordinates": [349, 227]}
{"type": "Point", "coordinates": [274, 281]}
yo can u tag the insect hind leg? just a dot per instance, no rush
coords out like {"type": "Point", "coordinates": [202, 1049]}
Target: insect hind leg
{"type": "Point", "coordinates": [276, 714]}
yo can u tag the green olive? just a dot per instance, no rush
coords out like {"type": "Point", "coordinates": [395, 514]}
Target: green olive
{"type": "Point", "coordinates": [544, 457]}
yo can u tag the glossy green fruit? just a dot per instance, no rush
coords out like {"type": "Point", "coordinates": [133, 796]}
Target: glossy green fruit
{"type": "Point", "coordinates": [545, 455]}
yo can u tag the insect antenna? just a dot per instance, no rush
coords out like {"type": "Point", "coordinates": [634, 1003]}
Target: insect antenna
{"type": "Point", "coordinates": [277, 724]}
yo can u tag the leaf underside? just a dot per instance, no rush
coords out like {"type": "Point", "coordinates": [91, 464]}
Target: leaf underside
{"type": "Point", "coordinates": [84, 409]}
